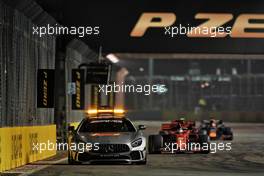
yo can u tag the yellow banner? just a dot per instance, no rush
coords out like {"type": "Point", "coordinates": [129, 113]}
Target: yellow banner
{"type": "Point", "coordinates": [19, 145]}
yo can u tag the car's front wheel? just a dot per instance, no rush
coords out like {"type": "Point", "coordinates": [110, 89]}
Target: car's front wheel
{"type": "Point", "coordinates": [155, 143]}
{"type": "Point", "coordinates": [204, 140]}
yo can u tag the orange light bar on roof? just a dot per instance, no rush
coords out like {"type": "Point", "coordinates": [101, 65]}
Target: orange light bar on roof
{"type": "Point", "coordinates": [97, 111]}
{"type": "Point", "coordinates": [105, 117]}
{"type": "Point", "coordinates": [92, 111]}
{"type": "Point", "coordinates": [119, 111]}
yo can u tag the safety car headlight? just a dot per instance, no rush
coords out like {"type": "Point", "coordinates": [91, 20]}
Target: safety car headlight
{"type": "Point", "coordinates": [136, 142]}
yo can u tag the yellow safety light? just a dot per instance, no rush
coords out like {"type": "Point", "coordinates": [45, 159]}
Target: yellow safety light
{"type": "Point", "coordinates": [94, 112]}
{"type": "Point", "coordinates": [105, 111]}
{"type": "Point", "coordinates": [119, 111]}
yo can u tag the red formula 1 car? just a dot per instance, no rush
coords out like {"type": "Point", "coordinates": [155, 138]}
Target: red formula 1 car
{"type": "Point", "coordinates": [179, 136]}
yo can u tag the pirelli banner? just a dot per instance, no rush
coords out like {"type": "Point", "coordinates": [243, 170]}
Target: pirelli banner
{"type": "Point", "coordinates": [78, 80]}
{"type": "Point", "coordinates": [45, 88]}
{"type": "Point", "coordinates": [171, 26]}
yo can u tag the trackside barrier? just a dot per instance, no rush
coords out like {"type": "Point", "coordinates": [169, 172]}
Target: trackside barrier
{"type": "Point", "coordinates": [17, 145]}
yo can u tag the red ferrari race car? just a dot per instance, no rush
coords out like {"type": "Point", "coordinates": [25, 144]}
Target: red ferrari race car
{"type": "Point", "coordinates": [179, 136]}
{"type": "Point", "coordinates": [216, 129]}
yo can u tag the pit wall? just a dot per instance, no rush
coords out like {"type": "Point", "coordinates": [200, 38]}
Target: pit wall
{"type": "Point", "coordinates": [16, 145]}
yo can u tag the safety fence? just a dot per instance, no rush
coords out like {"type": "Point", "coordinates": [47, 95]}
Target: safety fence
{"type": "Point", "coordinates": [18, 145]}
{"type": "Point", "coordinates": [22, 124]}
{"type": "Point", "coordinates": [21, 55]}
{"type": "Point", "coordinates": [237, 98]}
{"type": "Point", "coordinates": [204, 92]}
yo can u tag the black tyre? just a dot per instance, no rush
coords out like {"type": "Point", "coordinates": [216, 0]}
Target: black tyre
{"type": "Point", "coordinates": [204, 141]}
{"type": "Point", "coordinates": [155, 143]}
{"type": "Point", "coordinates": [230, 138]}
{"type": "Point", "coordinates": [228, 132]}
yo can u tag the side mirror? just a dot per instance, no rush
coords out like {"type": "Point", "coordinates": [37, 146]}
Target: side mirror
{"type": "Point", "coordinates": [71, 128]}
{"type": "Point", "coordinates": [141, 127]}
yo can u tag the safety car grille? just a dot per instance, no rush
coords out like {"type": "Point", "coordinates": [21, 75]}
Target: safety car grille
{"type": "Point", "coordinates": [112, 148]}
